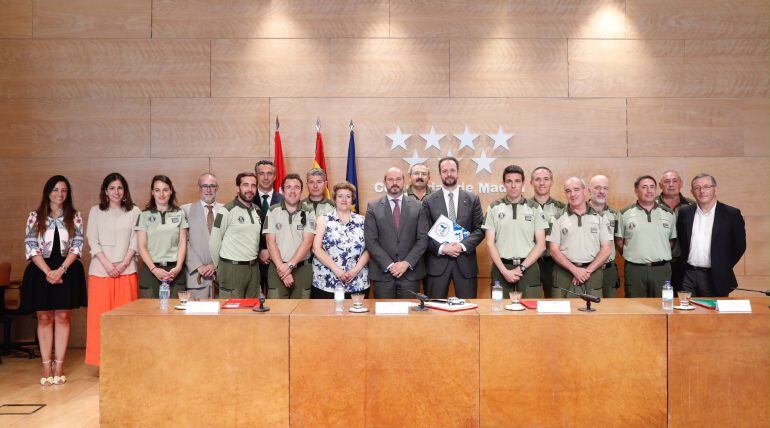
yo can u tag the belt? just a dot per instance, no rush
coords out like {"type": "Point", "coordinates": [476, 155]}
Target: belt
{"type": "Point", "coordinates": [236, 262]}
{"type": "Point", "coordinates": [581, 264]}
{"type": "Point", "coordinates": [165, 264]}
{"type": "Point", "coordinates": [650, 264]}
{"type": "Point", "coordinates": [698, 268]}
{"type": "Point", "coordinates": [609, 265]}
{"type": "Point", "coordinates": [514, 262]}
{"type": "Point", "coordinates": [302, 263]}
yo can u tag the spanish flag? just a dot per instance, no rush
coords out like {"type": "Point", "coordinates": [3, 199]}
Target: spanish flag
{"type": "Point", "coordinates": [320, 158]}
{"type": "Point", "coordinates": [280, 166]}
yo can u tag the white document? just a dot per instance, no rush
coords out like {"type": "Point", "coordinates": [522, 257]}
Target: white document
{"type": "Point", "coordinates": [733, 306]}
{"type": "Point", "coordinates": [553, 306]}
{"type": "Point", "coordinates": [445, 230]}
{"type": "Point", "coordinates": [202, 307]}
{"type": "Point", "coordinates": [392, 308]}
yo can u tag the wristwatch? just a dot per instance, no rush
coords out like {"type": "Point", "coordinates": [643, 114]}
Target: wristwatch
{"type": "Point", "coordinates": [292, 266]}
{"type": "Point", "coordinates": [522, 267]}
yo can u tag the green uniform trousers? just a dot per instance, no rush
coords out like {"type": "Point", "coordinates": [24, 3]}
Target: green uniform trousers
{"type": "Point", "coordinates": [546, 275]}
{"type": "Point", "coordinates": [149, 286]}
{"type": "Point", "coordinates": [646, 281]}
{"type": "Point", "coordinates": [611, 284]}
{"type": "Point", "coordinates": [563, 278]}
{"type": "Point", "coordinates": [528, 285]}
{"type": "Point", "coordinates": [303, 282]}
{"type": "Point", "coordinates": [237, 281]}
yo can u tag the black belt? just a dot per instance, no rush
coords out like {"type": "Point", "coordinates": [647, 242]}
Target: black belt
{"type": "Point", "coordinates": [698, 268]}
{"type": "Point", "coordinates": [514, 262]}
{"type": "Point", "coordinates": [581, 264]}
{"type": "Point", "coordinates": [650, 264]}
{"type": "Point", "coordinates": [236, 262]}
{"type": "Point", "coordinates": [165, 264]}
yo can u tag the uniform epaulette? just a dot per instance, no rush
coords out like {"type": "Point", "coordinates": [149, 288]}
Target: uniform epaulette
{"type": "Point", "coordinates": [229, 206]}
{"type": "Point", "coordinates": [623, 211]}
{"type": "Point", "coordinates": [559, 204]}
{"type": "Point", "coordinates": [666, 208]}
{"type": "Point", "coordinates": [497, 202]}
{"type": "Point", "coordinates": [531, 203]}
{"type": "Point", "coordinates": [274, 207]}
{"type": "Point", "coordinates": [612, 210]}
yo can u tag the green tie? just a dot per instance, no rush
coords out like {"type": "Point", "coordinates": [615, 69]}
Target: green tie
{"type": "Point", "coordinates": [265, 204]}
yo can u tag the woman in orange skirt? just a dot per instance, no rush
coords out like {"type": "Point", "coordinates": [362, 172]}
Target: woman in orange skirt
{"type": "Point", "coordinates": [112, 279]}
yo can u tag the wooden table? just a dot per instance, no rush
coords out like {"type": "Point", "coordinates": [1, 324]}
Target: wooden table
{"type": "Point", "coordinates": [172, 369]}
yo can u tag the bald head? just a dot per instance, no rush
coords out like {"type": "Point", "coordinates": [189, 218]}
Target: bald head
{"type": "Point", "coordinates": [599, 189]}
{"type": "Point", "coordinates": [394, 181]}
{"type": "Point", "coordinates": [575, 190]}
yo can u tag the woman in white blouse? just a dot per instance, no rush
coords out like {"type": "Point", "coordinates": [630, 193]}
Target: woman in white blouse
{"type": "Point", "coordinates": [112, 279]}
{"type": "Point", "coordinates": [54, 281]}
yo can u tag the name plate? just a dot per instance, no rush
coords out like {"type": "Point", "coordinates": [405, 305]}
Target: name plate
{"type": "Point", "coordinates": [733, 306]}
{"type": "Point", "coordinates": [553, 306]}
{"type": "Point", "coordinates": [392, 308]}
{"type": "Point", "coordinates": [202, 308]}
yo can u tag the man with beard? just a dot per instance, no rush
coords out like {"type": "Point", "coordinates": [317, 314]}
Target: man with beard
{"type": "Point", "coordinates": [234, 242]}
{"type": "Point", "coordinates": [599, 188]}
{"type": "Point", "coordinates": [453, 261]}
{"type": "Point", "coordinates": [580, 241]}
{"type": "Point", "coordinates": [289, 230]}
{"type": "Point", "coordinates": [645, 234]}
{"type": "Point", "coordinates": [396, 240]}
{"type": "Point", "coordinates": [200, 216]}
{"type": "Point", "coordinates": [542, 180]}
{"type": "Point", "coordinates": [419, 179]}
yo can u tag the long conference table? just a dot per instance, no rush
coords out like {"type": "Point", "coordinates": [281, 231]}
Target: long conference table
{"type": "Point", "coordinates": [301, 364]}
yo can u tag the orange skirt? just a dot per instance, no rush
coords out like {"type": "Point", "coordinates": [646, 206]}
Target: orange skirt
{"type": "Point", "coordinates": [105, 294]}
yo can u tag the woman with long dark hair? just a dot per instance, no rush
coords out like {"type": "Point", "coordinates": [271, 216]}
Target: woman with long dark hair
{"type": "Point", "coordinates": [161, 235]}
{"type": "Point", "coordinates": [112, 279]}
{"type": "Point", "coordinates": [54, 281]}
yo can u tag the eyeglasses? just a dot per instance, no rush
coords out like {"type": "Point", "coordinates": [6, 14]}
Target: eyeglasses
{"type": "Point", "coordinates": [208, 186]}
{"type": "Point", "coordinates": [705, 188]}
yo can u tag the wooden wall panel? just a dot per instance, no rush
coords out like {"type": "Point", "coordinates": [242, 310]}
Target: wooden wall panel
{"type": "Point", "coordinates": [45, 128]}
{"type": "Point", "coordinates": [626, 68]}
{"type": "Point", "coordinates": [15, 18]}
{"type": "Point", "coordinates": [695, 19]}
{"type": "Point", "coordinates": [193, 127]}
{"type": "Point", "coordinates": [541, 127]}
{"type": "Point", "coordinates": [741, 181]}
{"type": "Point", "coordinates": [701, 127]}
{"type": "Point", "coordinates": [104, 68]}
{"type": "Point", "coordinates": [270, 19]}
{"type": "Point", "coordinates": [92, 18]}
{"type": "Point", "coordinates": [336, 67]}
{"type": "Point", "coordinates": [507, 18]}
{"type": "Point", "coordinates": [757, 245]}
{"type": "Point", "coordinates": [509, 68]}
{"type": "Point", "coordinates": [728, 68]}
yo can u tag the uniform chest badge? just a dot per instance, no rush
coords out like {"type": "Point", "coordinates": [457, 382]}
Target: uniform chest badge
{"type": "Point", "coordinates": [175, 220]}
{"type": "Point", "coordinates": [631, 226]}
{"type": "Point", "coordinates": [151, 219]}
{"type": "Point", "coordinates": [564, 230]}
{"type": "Point", "coordinates": [279, 226]}
{"type": "Point", "coordinates": [241, 220]}
{"type": "Point", "coordinates": [528, 217]}
{"type": "Point", "coordinates": [501, 215]}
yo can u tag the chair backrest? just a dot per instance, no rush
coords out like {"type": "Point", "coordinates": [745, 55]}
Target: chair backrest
{"type": "Point", "coordinates": [5, 273]}
{"type": "Point", "coordinates": [11, 293]}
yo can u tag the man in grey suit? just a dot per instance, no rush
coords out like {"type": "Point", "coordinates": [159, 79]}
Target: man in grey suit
{"type": "Point", "coordinates": [452, 261]}
{"type": "Point", "coordinates": [396, 241]}
{"type": "Point", "coordinates": [200, 217]}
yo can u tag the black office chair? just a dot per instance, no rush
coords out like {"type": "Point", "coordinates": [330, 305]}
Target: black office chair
{"type": "Point", "coordinates": [10, 301]}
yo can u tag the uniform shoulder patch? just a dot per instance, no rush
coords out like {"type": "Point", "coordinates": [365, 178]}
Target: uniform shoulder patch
{"type": "Point", "coordinates": [559, 204]}
{"type": "Point", "coordinates": [229, 206]}
{"type": "Point", "coordinates": [531, 203]}
{"type": "Point", "coordinates": [623, 211]}
{"type": "Point", "coordinates": [666, 208]}
{"type": "Point", "coordinates": [218, 220]}
{"type": "Point", "coordinates": [274, 207]}
{"type": "Point", "coordinates": [495, 203]}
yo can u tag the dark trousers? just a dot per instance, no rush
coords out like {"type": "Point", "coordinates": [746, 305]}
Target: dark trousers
{"type": "Point", "coordinates": [611, 281]}
{"type": "Point", "coordinates": [546, 276]}
{"type": "Point", "coordinates": [397, 288]}
{"type": "Point", "coordinates": [698, 282]}
{"type": "Point", "coordinates": [438, 286]}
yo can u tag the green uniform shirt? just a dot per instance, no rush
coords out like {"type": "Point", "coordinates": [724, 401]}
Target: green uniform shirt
{"type": "Point", "coordinates": [515, 225]}
{"type": "Point", "coordinates": [646, 234]}
{"type": "Point", "coordinates": [235, 234]}
{"type": "Point", "coordinates": [611, 215]}
{"type": "Point", "coordinates": [289, 228]}
{"type": "Point", "coordinates": [162, 230]}
{"type": "Point", "coordinates": [410, 192]}
{"type": "Point", "coordinates": [551, 209]}
{"type": "Point", "coordinates": [683, 202]}
{"type": "Point", "coordinates": [580, 237]}
{"type": "Point", "coordinates": [320, 208]}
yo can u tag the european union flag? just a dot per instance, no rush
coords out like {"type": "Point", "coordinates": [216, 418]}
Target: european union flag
{"type": "Point", "coordinates": [351, 176]}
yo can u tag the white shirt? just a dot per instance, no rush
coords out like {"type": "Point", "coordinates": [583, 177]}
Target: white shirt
{"type": "Point", "coordinates": [700, 241]}
{"type": "Point", "coordinates": [214, 205]}
{"type": "Point", "coordinates": [400, 199]}
{"type": "Point", "coordinates": [269, 197]}
{"type": "Point", "coordinates": [456, 196]}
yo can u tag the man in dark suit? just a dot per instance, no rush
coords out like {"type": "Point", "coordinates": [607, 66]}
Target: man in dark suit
{"type": "Point", "coordinates": [712, 236]}
{"type": "Point", "coordinates": [266, 197]}
{"type": "Point", "coordinates": [452, 261]}
{"type": "Point", "coordinates": [396, 241]}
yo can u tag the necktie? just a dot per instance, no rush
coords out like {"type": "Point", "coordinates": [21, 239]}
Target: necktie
{"type": "Point", "coordinates": [210, 216]}
{"type": "Point", "coordinates": [397, 214]}
{"type": "Point", "coordinates": [265, 204]}
{"type": "Point", "coordinates": [451, 208]}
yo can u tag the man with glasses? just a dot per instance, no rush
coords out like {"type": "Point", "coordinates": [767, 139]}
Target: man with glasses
{"type": "Point", "coordinates": [200, 216]}
{"type": "Point", "coordinates": [712, 236]}
{"type": "Point", "coordinates": [419, 181]}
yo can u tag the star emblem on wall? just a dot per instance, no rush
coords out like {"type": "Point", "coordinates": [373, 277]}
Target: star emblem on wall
{"type": "Point", "coordinates": [398, 138]}
{"type": "Point", "coordinates": [500, 139]}
{"type": "Point", "coordinates": [466, 139]}
{"type": "Point", "coordinates": [432, 138]}
{"type": "Point", "coordinates": [415, 159]}
{"type": "Point", "coordinates": [483, 163]}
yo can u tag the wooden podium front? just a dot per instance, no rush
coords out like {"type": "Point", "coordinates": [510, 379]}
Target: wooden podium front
{"type": "Point", "coordinates": [172, 369]}
{"type": "Point", "coordinates": [605, 368]}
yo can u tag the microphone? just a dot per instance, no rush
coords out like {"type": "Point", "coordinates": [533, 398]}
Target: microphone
{"type": "Point", "coordinates": [588, 298]}
{"type": "Point", "coordinates": [423, 298]}
{"type": "Point", "coordinates": [261, 307]}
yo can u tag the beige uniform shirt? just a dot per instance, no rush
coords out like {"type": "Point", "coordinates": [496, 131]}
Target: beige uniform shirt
{"type": "Point", "coordinates": [646, 234]}
{"type": "Point", "coordinates": [515, 226]}
{"type": "Point", "coordinates": [580, 237]}
{"type": "Point", "coordinates": [162, 230]}
{"type": "Point", "coordinates": [236, 233]}
{"type": "Point", "coordinates": [552, 209]}
{"type": "Point", "coordinates": [289, 228]}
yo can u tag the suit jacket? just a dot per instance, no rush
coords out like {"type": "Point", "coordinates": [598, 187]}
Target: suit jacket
{"type": "Point", "coordinates": [469, 216]}
{"type": "Point", "coordinates": [198, 235]}
{"type": "Point", "coordinates": [387, 245]}
{"type": "Point", "coordinates": [277, 198]}
{"type": "Point", "coordinates": [728, 243]}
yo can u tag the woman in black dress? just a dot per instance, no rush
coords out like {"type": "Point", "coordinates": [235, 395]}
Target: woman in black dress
{"type": "Point", "coordinates": [54, 282]}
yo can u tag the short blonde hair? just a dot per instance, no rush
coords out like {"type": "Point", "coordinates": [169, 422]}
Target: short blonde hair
{"type": "Point", "coordinates": [343, 186]}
